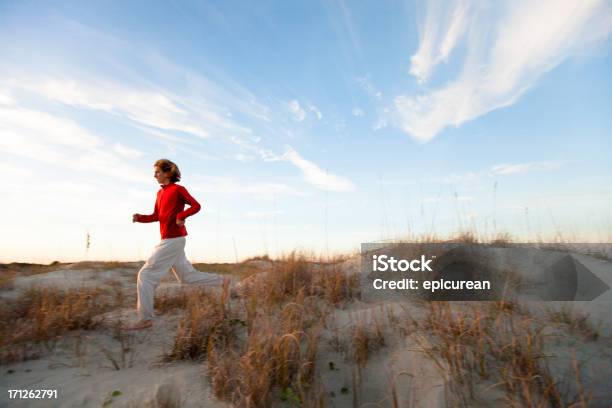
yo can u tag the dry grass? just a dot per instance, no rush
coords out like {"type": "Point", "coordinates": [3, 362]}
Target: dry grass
{"type": "Point", "coordinates": [10, 271]}
{"type": "Point", "coordinates": [122, 355]}
{"type": "Point", "coordinates": [41, 315]}
{"type": "Point", "coordinates": [499, 343]}
{"type": "Point", "coordinates": [208, 319]}
{"type": "Point", "coordinates": [174, 300]}
{"type": "Point", "coordinates": [263, 345]}
{"type": "Point", "coordinates": [575, 322]}
{"type": "Point", "coordinates": [296, 273]}
{"type": "Point", "coordinates": [278, 356]}
{"type": "Point", "coordinates": [265, 348]}
{"type": "Point", "coordinates": [367, 337]}
{"type": "Point", "coordinates": [260, 345]}
{"type": "Point", "coordinates": [502, 239]}
{"type": "Point", "coordinates": [241, 269]}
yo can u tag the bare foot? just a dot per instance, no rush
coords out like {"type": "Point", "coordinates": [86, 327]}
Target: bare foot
{"type": "Point", "coordinates": [139, 325]}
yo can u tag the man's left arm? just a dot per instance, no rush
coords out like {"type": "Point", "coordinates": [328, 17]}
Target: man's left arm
{"type": "Point", "coordinates": [194, 206]}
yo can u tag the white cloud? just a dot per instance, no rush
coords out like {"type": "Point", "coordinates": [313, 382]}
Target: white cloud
{"type": "Point", "coordinates": [127, 152]}
{"type": "Point", "coordinates": [316, 176]}
{"type": "Point", "coordinates": [366, 84]}
{"type": "Point", "coordinates": [464, 198]}
{"type": "Point", "coordinates": [506, 169]}
{"type": "Point", "coordinates": [358, 112]}
{"type": "Point", "coordinates": [227, 185]}
{"type": "Point", "coordinates": [13, 172]}
{"type": "Point", "coordinates": [46, 127]}
{"type": "Point", "coordinates": [316, 111]}
{"type": "Point", "coordinates": [381, 123]}
{"type": "Point", "coordinates": [443, 27]}
{"type": "Point", "coordinates": [468, 177]}
{"type": "Point", "coordinates": [6, 99]}
{"type": "Point", "coordinates": [152, 108]}
{"type": "Point", "coordinates": [509, 46]}
{"type": "Point", "coordinates": [262, 214]}
{"type": "Point", "coordinates": [299, 114]}
{"type": "Point", "coordinates": [62, 142]}
{"type": "Point", "coordinates": [341, 20]}
{"type": "Point", "coordinates": [243, 157]}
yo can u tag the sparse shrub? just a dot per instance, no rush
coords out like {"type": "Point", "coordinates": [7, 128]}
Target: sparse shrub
{"type": "Point", "coordinates": [208, 320]}
{"type": "Point", "coordinates": [266, 344]}
{"type": "Point", "coordinates": [40, 315]}
{"type": "Point", "coordinates": [575, 321]}
{"type": "Point", "coordinates": [499, 342]}
{"type": "Point", "coordinates": [366, 337]}
{"type": "Point", "coordinates": [465, 237]}
{"type": "Point", "coordinates": [503, 240]}
{"type": "Point", "coordinates": [171, 300]}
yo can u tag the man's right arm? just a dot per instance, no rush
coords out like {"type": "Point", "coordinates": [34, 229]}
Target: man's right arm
{"type": "Point", "coordinates": [148, 218]}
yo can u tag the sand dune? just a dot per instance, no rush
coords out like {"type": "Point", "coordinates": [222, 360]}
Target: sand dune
{"type": "Point", "coordinates": [401, 364]}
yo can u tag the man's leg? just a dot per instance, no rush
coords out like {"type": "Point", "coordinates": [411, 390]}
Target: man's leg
{"type": "Point", "coordinates": [163, 257]}
{"type": "Point", "coordinates": [186, 273]}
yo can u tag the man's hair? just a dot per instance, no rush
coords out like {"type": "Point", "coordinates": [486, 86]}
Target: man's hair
{"type": "Point", "coordinates": [167, 166]}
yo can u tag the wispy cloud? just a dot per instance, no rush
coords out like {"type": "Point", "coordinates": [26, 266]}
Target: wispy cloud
{"type": "Point", "coordinates": [127, 152]}
{"type": "Point", "coordinates": [439, 34]}
{"type": "Point", "coordinates": [505, 169]}
{"type": "Point", "coordinates": [50, 139]}
{"type": "Point", "coordinates": [243, 157]}
{"type": "Point", "coordinates": [316, 111]}
{"type": "Point", "coordinates": [316, 176]}
{"type": "Point", "coordinates": [366, 84]}
{"type": "Point", "coordinates": [349, 26]}
{"type": "Point", "coordinates": [380, 123]}
{"type": "Point", "coordinates": [155, 109]}
{"type": "Point", "coordinates": [151, 111]}
{"type": "Point", "coordinates": [342, 22]}
{"type": "Point", "coordinates": [262, 214]}
{"type": "Point", "coordinates": [299, 114]}
{"type": "Point", "coordinates": [6, 99]}
{"type": "Point", "coordinates": [357, 112]}
{"type": "Point", "coordinates": [219, 109]}
{"type": "Point", "coordinates": [46, 127]}
{"type": "Point", "coordinates": [508, 47]}
{"type": "Point", "coordinates": [228, 185]}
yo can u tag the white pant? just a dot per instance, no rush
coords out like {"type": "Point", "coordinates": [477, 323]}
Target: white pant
{"type": "Point", "coordinates": [169, 253]}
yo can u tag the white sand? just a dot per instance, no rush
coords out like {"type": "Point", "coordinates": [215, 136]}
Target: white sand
{"type": "Point", "coordinates": [82, 371]}
{"type": "Point", "coordinates": [84, 375]}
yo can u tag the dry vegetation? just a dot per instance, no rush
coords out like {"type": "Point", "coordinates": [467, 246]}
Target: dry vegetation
{"type": "Point", "coordinates": [264, 346]}
{"type": "Point", "coordinates": [42, 315]}
{"type": "Point", "coordinates": [260, 344]}
{"type": "Point", "coordinates": [498, 343]}
{"type": "Point", "coordinates": [9, 271]}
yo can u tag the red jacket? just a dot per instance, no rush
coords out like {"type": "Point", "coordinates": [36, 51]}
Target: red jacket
{"type": "Point", "coordinates": [170, 206]}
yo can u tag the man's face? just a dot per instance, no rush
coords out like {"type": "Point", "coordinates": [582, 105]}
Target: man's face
{"type": "Point", "coordinates": [160, 176]}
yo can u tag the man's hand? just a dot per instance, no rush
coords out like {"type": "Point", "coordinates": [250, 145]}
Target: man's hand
{"type": "Point", "coordinates": [180, 223]}
{"type": "Point", "coordinates": [135, 217]}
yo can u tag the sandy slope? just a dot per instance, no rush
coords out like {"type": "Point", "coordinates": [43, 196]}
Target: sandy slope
{"type": "Point", "coordinates": [81, 367]}
{"type": "Point", "coordinates": [86, 368]}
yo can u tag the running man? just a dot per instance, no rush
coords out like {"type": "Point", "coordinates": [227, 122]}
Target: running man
{"type": "Point", "coordinates": [170, 252]}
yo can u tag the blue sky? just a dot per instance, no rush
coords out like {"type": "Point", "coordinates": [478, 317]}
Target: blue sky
{"type": "Point", "coordinates": [303, 125]}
